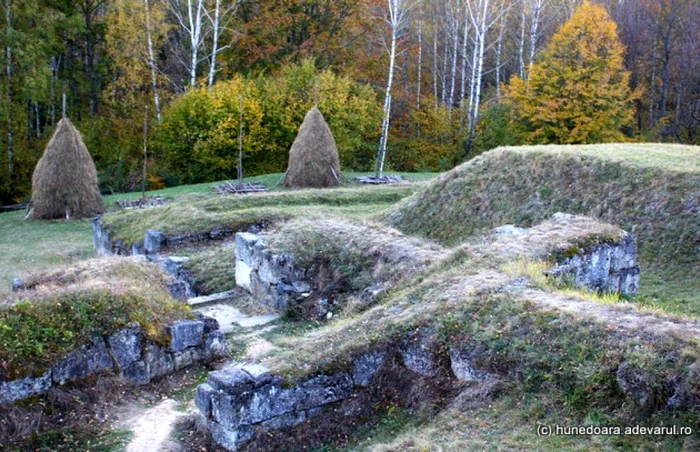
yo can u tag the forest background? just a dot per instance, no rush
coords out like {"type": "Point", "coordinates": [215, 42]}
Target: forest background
{"type": "Point", "coordinates": [200, 71]}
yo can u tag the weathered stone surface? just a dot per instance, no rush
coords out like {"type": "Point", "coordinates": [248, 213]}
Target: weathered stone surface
{"type": "Point", "coordinates": [284, 421]}
{"type": "Point", "coordinates": [210, 323]}
{"type": "Point", "coordinates": [272, 279]}
{"type": "Point", "coordinates": [101, 241]}
{"type": "Point", "coordinates": [215, 346]}
{"type": "Point", "coordinates": [11, 391]}
{"type": "Point", "coordinates": [187, 357]}
{"type": "Point", "coordinates": [463, 368]}
{"type": "Point", "coordinates": [126, 346]}
{"type": "Point", "coordinates": [417, 355]}
{"type": "Point", "coordinates": [159, 362]}
{"type": "Point", "coordinates": [323, 389]}
{"type": "Point", "coordinates": [366, 366]}
{"type": "Point", "coordinates": [202, 399]}
{"type": "Point", "coordinates": [186, 333]}
{"type": "Point", "coordinates": [245, 243]}
{"type": "Point", "coordinates": [638, 385]}
{"type": "Point", "coordinates": [152, 241]}
{"type": "Point", "coordinates": [509, 229]}
{"type": "Point", "coordinates": [136, 373]}
{"type": "Point", "coordinates": [87, 360]}
{"type": "Point", "coordinates": [18, 284]}
{"type": "Point", "coordinates": [242, 274]}
{"type": "Point", "coordinates": [230, 439]}
{"type": "Point", "coordinates": [607, 267]}
{"type": "Point", "coordinates": [137, 249]}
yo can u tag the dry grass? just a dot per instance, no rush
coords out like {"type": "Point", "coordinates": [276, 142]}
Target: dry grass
{"type": "Point", "coordinates": [313, 158]}
{"type": "Point", "coordinates": [652, 190]}
{"type": "Point", "coordinates": [66, 308]}
{"type": "Point", "coordinates": [64, 183]}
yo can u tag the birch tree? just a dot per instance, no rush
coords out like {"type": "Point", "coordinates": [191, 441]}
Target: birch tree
{"type": "Point", "coordinates": [397, 20]}
{"type": "Point", "coordinates": [219, 20]}
{"type": "Point", "coordinates": [190, 17]}
{"type": "Point", "coordinates": [8, 75]}
{"type": "Point", "coordinates": [152, 61]}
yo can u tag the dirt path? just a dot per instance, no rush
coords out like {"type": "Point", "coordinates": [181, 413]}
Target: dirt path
{"type": "Point", "coordinates": [152, 427]}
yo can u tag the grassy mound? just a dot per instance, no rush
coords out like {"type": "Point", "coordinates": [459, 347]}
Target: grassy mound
{"type": "Point", "coordinates": [238, 211]}
{"type": "Point", "coordinates": [68, 307]}
{"type": "Point", "coordinates": [652, 190]}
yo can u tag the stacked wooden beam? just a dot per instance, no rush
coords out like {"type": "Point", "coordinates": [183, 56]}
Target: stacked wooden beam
{"type": "Point", "coordinates": [247, 187]}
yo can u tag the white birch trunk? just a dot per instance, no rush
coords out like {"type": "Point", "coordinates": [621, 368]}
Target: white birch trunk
{"type": "Point", "coordinates": [397, 16]}
{"type": "Point", "coordinates": [215, 43]}
{"type": "Point", "coordinates": [420, 63]}
{"type": "Point", "coordinates": [152, 61]}
{"type": "Point", "coordinates": [435, 66]}
{"type": "Point", "coordinates": [534, 30]}
{"type": "Point", "coordinates": [455, 50]}
{"type": "Point", "coordinates": [465, 41]}
{"type": "Point", "coordinates": [521, 46]}
{"type": "Point", "coordinates": [8, 73]}
{"type": "Point", "coordinates": [387, 103]}
{"type": "Point", "coordinates": [195, 28]}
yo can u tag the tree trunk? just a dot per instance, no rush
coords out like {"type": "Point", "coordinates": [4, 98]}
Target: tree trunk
{"type": "Point", "coordinates": [215, 44]}
{"type": "Point", "coordinates": [152, 62]}
{"type": "Point", "coordinates": [240, 138]}
{"type": "Point", "coordinates": [521, 44]}
{"type": "Point", "coordinates": [420, 63]}
{"type": "Point", "coordinates": [387, 103]}
{"type": "Point", "coordinates": [8, 74]}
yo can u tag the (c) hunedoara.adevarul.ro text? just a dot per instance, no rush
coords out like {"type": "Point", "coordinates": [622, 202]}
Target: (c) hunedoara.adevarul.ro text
{"type": "Point", "coordinates": [602, 430]}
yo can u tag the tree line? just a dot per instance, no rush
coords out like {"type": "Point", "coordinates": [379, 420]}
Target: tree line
{"type": "Point", "coordinates": [437, 73]}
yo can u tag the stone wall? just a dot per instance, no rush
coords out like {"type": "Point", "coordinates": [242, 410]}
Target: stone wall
{"type": "Point", "coordinates": [241, 401]}
{"type": "Point", "coordinates": [608, 267]}
{"type": "Point", "coordinates": [273, 279]}
{"type": "Point", "coordinates": [128, 354]}
{"type": "Point", "coordinates": [154, 241]}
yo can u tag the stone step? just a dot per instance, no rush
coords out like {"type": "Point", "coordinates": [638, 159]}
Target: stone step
{"type": "Point", "coordinates": [214, 298]}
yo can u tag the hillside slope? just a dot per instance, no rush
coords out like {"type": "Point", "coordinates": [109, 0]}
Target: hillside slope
{"type": "Point", "coordinates": [650, 189]}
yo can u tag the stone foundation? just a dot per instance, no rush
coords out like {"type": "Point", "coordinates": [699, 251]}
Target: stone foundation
{"type": "Point", "coordinates": [609, 267]}
{"type": "Point", "coordinates": [128, 354]}
{"type": "Point", "coordinates": [273, 279]}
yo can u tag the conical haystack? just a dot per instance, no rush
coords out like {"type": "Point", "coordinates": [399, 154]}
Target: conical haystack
{"type": "Point", "coordinates": [313, 159]}
{"type": "Point", "coordinates": [64, 184]}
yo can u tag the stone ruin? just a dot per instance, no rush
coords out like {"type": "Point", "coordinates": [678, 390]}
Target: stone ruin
{"type": "Point", "coordinates": [128, 354]}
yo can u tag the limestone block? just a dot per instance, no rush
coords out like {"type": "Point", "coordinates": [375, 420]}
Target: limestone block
{"type": "Point", "coordinates": [186, 333]}
{"type": "Point", "coordinates": [11, 391]}
{"type": "Point", "coordinates": [126, 346]}
{"type": "Point", "coordinates": [85, 361]}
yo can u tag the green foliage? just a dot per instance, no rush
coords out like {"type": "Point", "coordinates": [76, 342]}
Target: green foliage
{"type": "Point", "coordinates": [433, 140]}
{"type": "Point", "coordinates": [495, 128]}
{"type": "Point", "coordinates": [35, 333]}
{"type": "Point", "coordinates": [199, 135]}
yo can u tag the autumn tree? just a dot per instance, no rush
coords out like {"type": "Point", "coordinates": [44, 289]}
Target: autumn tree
{"type": "Point", "coordinates": [578, 91]}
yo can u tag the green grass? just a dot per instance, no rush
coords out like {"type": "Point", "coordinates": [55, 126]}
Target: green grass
{"type": "Point", "coordinates": [237, 212]}
{"type": "Point", "coordinates": [510, 422]}
{"type": "Point", "coordinates": [71, 308]}
{"type": "Point", "coordinates": [89, 439]}
{"type": "Point", "coordinates": [650, 189]}
{"type": "Point", "coordinates": [666, 157]}
{"type": "Point", "coordinates": [33, 246]}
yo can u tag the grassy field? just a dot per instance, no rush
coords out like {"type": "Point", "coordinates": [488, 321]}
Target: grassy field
{"type": "Point", "coordinates": [28, 247]}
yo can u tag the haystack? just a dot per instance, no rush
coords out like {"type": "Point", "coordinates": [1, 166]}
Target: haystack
{"type": "Point", "coordinates": [313, 159]}
{"type": "Point", "coordinates": [64, 184]}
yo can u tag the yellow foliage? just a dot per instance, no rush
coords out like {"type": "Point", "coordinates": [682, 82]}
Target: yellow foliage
{"type": "Point", "coordinates": [578, 92]}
